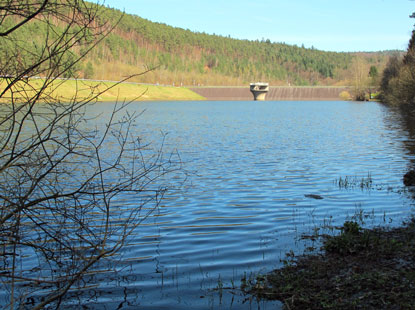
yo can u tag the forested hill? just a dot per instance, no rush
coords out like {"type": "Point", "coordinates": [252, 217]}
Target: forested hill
{"type": "Point", "coordinates": [189, 58]}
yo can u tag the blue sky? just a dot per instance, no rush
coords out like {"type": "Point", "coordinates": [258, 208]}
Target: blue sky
{"type": "Point", "coordinates": [332, 25]}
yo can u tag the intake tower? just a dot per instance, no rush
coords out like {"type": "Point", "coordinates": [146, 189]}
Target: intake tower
{"type": "Point", "coordinates": [259, 90]}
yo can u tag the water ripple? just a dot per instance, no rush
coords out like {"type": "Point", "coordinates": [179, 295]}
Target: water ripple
{"type": "Point", "coordinates": [246, 203]}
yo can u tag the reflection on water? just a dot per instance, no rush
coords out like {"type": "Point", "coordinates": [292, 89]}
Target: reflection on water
{"type": "Point", "coordinates": [403, 119]}
{"type": "Point", "coordinates": [253, 170]}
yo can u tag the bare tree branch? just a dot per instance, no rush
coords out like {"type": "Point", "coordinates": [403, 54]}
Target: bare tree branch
{"type": "Point", "coordinates": [58, 182]}
{"type": "Point", "coordinates": [25, 20]}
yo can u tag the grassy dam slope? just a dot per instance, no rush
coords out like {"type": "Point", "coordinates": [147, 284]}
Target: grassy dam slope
{"type": "Point", "coordinates": [65, 90]}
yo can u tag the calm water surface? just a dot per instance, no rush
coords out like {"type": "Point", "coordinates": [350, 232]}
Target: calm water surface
{"type": "Point", "coordinates": [244, 205]}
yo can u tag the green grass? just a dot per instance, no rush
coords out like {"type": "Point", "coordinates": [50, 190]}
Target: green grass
{"type": "Point", "coordinates": [65, 90]}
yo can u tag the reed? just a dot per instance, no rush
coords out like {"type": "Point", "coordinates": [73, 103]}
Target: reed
{"type": "Point", "coordinates": [350, 182]}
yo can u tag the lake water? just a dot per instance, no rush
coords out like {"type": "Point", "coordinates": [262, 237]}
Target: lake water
{"type": "Point", "coordinates": [244, 205]}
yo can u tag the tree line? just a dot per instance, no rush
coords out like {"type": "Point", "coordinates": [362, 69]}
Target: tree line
{"type": "Point", "coordinates": [184, 57]}
{"type": "Point", "coordinates": [398, 80]}
{"type": "Point", "coordinates": [182, 51]}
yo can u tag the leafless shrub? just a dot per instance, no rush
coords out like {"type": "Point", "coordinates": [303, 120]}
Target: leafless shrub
{"type": "Point", "coordinates": [59, 190]}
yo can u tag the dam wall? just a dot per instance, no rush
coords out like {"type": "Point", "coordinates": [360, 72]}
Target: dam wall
{"type": "Point", "coordinates": [274, 93]}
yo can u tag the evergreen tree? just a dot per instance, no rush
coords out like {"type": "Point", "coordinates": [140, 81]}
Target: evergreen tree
{"type": "Point", "coordinates": [398, 81]}
{"type": "Point", "coordinates": [89, 71]}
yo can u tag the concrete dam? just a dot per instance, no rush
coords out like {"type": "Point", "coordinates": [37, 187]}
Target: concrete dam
{"type": "Point", "coordinates": [275, 93]}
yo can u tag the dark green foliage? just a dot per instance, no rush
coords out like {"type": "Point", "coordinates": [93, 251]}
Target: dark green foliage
{"type": "Point", "coordinates": [26, 45]}
{"type": "Point", "coordinates": [137, 42]}
{"type": "Point", "coordinates": [203, 53]}
{"type": "Point", "coordinates": [373, 72]}
{"type": "Point", "coordinates": [409, 57]}
{"type": "Point", "coordinates": [398, 81]}
{"type": "Point", "coordinates": [391, 71]}
{"type": "Point", "coordinates": [88, 71]}
{"type": "Point", "coordinates": [353, 240]}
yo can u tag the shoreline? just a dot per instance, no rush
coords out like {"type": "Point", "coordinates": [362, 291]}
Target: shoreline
{"type": "Point", "coordinates": [275, 93]}
{"type": "Point", "coordinates": [356, 269]}
{"type": "Point", "coordinates": [129, 91]}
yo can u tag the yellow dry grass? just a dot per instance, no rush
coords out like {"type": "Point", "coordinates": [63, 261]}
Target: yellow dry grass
{"type": "Point", "coordinates": [66, 90]}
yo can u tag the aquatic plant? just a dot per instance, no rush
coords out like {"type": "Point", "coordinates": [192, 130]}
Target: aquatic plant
{"type": "Point", "coordinates": [350, 182]}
